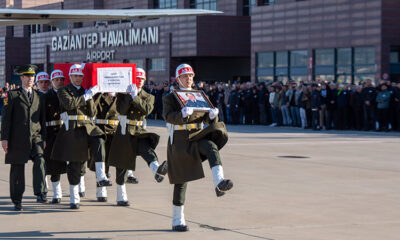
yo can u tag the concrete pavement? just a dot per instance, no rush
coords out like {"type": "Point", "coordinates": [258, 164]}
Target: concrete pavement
{"type": "Point", "coordinates": [289, 184]}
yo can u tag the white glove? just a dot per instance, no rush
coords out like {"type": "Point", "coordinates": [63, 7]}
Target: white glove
{"type": "Point", "coordinates": [91, 92]}
{"type": "Point", "coordinates": [64, 118]}
{"type": "Point", "coordinates": [133, 90]}
{"type": "Point", "coordinates": [213, 113]}
{"type": "Point", "coordinates": [186, 111]}
{"type": "Point", "coordinates": [122, 121]}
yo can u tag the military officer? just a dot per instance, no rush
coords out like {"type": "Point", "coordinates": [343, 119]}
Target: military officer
{"type": "Point", "coordinates": [43, 82]}
{"type": "Point", "coordinates": [189, 145]}
{"type": "Point", "coordinates": [132, 139]}
{"type": "Point", "coordinates": [23, 131]}
{"type": "Point", "coordinates": [107, 121]}
{"type": "Point", "coordinates": [79, 133]}
{"type": "Point", "coordinates": [53, 125]}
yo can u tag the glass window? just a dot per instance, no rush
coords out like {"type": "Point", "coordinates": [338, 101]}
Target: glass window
{"type": "Point", "coordinates": [265, 60]}
{"type": "Point", "coordinates": [163, 4]}
{"type": "Point", "coordinates": [204, 4]}
{"type": "Point", "coordinates": [395, 57]}
{"type": "Point", "coordinates": [364, 55]}
{"type": "Point", "coordinates": [247, 5]}
{"type": "Point", "coordinates": [298, 58]}
{"type": "Point", "coordinates": [282, 59]}
{"type": "Point", "coordinates": [157, 64]}
{"type": "Point", "coordinates": [265, 79]}
{"type": "Point", "coordinates": [139, 62]}
{"type": "Point", "coordinates": [324, 57]}
{"type": "Point", "coordinates": [344, 56]}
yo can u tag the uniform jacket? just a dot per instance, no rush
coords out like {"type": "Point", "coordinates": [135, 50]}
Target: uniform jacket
{"type": "Point", "coordinates": [184, 159]}
{"type": "Point", "coordinates": [23, 125]}
{"type": "Point", "coordinates": [72, 145]}
{"type": "Point", "coordinates": [123, 151]}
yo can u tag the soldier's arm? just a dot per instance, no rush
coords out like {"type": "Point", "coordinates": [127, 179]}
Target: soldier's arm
{"type": "Point", "coordinates": [69, 102]}
{"type": "Point", "coordinates": [145, 105]}
{"type": "Point", "coordinates": [6, 117]}
{"type": "Point", "coordinates": [42, 110]}
{"type": "Point", "coordinates": [91, 105]}
{"type": "Point", "coordinates": [171, 115]}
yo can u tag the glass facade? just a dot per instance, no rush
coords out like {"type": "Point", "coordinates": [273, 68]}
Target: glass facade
{"type": "Point", "coordinates": [204, 4]}
{"type": "Point", "coordinates": [157, 64]}
{"type": "Point", "coordinates": [247, 5]}
{"type": "Point", "coordinates": [163, 4]}
{"type": "Point", "coordinates": [343, 65]}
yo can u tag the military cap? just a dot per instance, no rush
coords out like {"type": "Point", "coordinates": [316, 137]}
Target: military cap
{"type": "Point", "coordinates": [27, 69]}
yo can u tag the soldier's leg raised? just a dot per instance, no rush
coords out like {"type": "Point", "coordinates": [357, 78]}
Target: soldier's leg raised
{"type": "Point", "coordinates": [55, 182]}
{"type": "Point", "coordinates": [149, 155]}
{"type": "Point", "coordinates": [39, 175]}
{"type": "Point", "coordinates": [74, 177]}
{"type": "Point", "coordinates": [178, 216]}
{"type": "Point", "coordinates": [98, 152]}
{"type": "Point", "coordinates": [209, 149]}
{"type": "Point", "coordinates": [122, 197]}
{"type": "Point", "coordinates": [17, 184]}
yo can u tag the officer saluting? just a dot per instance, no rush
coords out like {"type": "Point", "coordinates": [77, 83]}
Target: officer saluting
{"type": "Point", "coordinates": [23, 131]}
{"type": "Point", "coordinates": [189, 145]}
{"type": "Point", "coordinates": [53, 125]}
{"type": "Point", "coordinates": [132, 139]}
{"type": "Point", "coordinates": [79, 133]}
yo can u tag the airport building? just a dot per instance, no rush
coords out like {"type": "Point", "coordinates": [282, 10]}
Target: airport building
{"type": "Point", "coordinates": [257, 40]}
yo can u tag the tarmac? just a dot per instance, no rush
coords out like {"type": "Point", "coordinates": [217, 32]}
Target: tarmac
{"type": "Point", "coordinates": [289, 184]}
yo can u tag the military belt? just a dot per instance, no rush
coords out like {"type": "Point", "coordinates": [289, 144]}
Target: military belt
{"type": "Point", "coordinates": [54, 123]}
{"type": "Point", "coordinates": [189, 126]}
{"type": "Point", "coordinates": [78, 117]}
{"type": "Point", "coordinates": [135, 123]}
{"type": "Point", "coordinates": [106, 121]}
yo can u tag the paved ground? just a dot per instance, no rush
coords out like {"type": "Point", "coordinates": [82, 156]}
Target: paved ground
{"type": "Point", "coordinates": [289, 184]}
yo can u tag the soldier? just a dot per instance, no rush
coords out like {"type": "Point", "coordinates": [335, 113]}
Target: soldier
{"type": "Point", "coordinates": [189, 145]}
{"type": "Point", "coordinates": [43, 82]}
{"type": "Point", "coordinates": [107, 121]}
{"type": "Point", "coordinates": [23, 131]}
{"type": "Point", "coordinates": [132, 139]}
{"type": "Point", "coordinates": [79, 133]}
{"type": "Point", "coordinates": [53, 125]}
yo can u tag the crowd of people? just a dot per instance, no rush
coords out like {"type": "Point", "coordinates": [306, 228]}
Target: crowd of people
{"type": "Point", "coordinates": [317, 105]}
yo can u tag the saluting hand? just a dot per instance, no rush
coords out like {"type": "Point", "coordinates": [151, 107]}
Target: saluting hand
{"type": "Point", "coordinates": [4, 144]}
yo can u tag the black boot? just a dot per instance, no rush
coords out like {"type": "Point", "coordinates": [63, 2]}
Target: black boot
{"type": "Point", "coordinates": [180, 228]}
{"type": "Point", "coordinates": [161, 171]}
{"type": "Point", "coordinates": [18, 206]}
{"type": "Point", "coordinates": [132, 179]}
{"type": "Point", "coordinates": [74, 205]}
{"type": "Point", "coordinates": [41, 198]}
{"type": "Point", "coordinates": [223, 186]}
{"type": "Point", "coordinates": [56, 201]}
{"type": "Point", "coordinates": [104, 183]}
{"type": "Point", "coordinates": [123, 203]}
{"type": "Point", "coordinates": [102, 199]}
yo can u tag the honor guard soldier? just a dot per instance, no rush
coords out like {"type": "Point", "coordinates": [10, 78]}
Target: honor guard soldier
{"type": "Point", "coordinates": [53, 125]}
{"type": "Point", "coordinates": [132, 139]}
{"type": "Point", "coordinates": [79, 133]}
{"type": "Point", "coordinates": [43, 82]}
{"type": "Point", "coordinates": [107, 121]}
{"type": "Point", "coordinates": [189, 145]}
{"type": "Point", "coordinates": [23, 131]}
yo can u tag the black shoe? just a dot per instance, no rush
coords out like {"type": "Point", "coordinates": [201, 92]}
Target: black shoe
{"type": "Point", "coordinates": [102, 199]}
{"type": "Point", "coordinates": [56, 201]}
{"type": "Point", "coordinates": [132, 179]}
{"type": "Point", "coordinates": [41, 198]}
{"type": "Point", "coordinates": [104, 183]}
{"type": "Point", "coordinates": [123, 203]}
{"type": "Point", "coordinates": [223, 186]}
{"type": "Point", "coordinates": [18, 207]}
{"type": "Point", "coordinates": [74, 206]}
{"type": "Point", "coordinates": [82, 194]}
{"type": "Point", "coordinates": [161, 171]}
{"type": "Point", "coordinates": [180, 228]}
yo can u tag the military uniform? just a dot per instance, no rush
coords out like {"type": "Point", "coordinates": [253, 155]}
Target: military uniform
{"type": "Point", "coordinates": [24, 127]}
{"type": "Point", "coordinates": [136, 141]}
{"type": "Point", "coordinates": [72, 144]}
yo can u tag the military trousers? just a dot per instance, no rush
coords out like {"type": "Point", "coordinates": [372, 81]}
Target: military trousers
{"type": "Point", "coordinates": [97, 148]}
{"type": "Point", "coordinates": [145, 151]}
{"type": "Point", "coordinates": [207, 148]}
{"type": "Point", "coordinates": [17, 179]}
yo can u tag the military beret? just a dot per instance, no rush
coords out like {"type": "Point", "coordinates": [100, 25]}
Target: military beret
{"type": "Point", "coordinates": [27, 69]}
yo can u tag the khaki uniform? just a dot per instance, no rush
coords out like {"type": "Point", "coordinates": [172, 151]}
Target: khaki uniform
{"type": "Point", "coordinates": [24, 127]}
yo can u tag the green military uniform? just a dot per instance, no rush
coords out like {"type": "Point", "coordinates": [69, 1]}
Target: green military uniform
{"type": "Point", "coordinates": [72, 145]}
{"type": "Point", "coordinates": [136, 141]}
{"type": "Point", "coordinates": [24, 127]}
{"type": "Point", "coordinates": [53, 125]}
{"type": "Point", "coordinates": [106, 120]}
{"type": "Point", "coordinates": [190, 145]}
